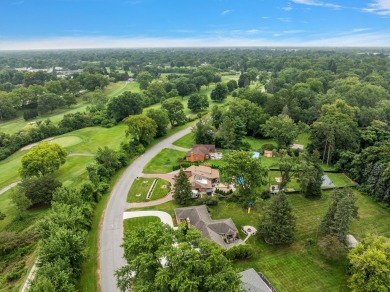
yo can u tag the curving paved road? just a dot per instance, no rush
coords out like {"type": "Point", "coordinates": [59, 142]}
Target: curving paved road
{"type": "Point", "coordinates": [111, 233]}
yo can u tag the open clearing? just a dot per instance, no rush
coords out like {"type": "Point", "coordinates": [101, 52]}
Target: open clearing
{"type": "Point", "coordinates": [163, 162]}
{"type": "Point", "coordinates": [67, 141]}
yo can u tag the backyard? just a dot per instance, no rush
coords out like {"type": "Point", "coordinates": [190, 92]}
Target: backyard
{"type": "Point", "coordinates": [293, 268]}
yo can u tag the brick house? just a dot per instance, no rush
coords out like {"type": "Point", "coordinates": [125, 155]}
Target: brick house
{"type": "Point", "coordinates": [200, 152]}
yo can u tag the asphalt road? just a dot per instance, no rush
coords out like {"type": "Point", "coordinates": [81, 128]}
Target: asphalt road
{"type": "Point", "coordinates": [111, 233]}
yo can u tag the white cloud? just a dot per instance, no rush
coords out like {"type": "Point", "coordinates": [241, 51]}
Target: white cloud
{"type": "Point", "coordinates": [288, 7]}
{"type": "Point", "coordinates": [246, 39]}
{"type": "Point", "coordinates": [226, 12]}
{"type": "Point", "coordinates": [381, 7]}
{"type": "Point", "coordinates": [317, 3]}
{"type": "Point", "coordinates": [360, 29]}
{"type": "Point", "coordinates": [284, 19]}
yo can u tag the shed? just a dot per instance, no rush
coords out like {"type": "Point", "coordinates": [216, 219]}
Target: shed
{"type": "Point", "coordinates": [268, 153]}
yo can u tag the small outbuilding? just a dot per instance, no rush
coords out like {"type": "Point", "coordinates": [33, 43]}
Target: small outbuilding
{"type": "Point", "coordinates": [268, 153]}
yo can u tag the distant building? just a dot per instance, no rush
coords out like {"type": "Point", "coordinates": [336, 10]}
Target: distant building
{"type": "Point", "coordinates": [268, 153]}
{"type": "Point", "coordinates": [223, 231]}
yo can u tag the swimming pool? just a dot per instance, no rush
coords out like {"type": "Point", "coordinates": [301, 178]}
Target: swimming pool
{"type": "Point", "coordinates": [256, 155]}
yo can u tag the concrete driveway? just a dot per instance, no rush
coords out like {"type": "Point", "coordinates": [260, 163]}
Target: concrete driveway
{"type": "Point", "coordinates": [111, 233]}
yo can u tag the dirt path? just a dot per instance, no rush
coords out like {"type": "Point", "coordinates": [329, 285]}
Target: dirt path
{"type": "Point", "coordinates": [3, 190]}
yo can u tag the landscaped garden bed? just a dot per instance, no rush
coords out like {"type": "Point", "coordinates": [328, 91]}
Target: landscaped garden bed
{"type": "Point", "coordinates": [142, 186]}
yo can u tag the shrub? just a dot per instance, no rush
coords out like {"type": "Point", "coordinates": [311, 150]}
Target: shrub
{"type": "Point", "coordinates": [208, 201]}
{"type": "Point", "coordinates": [266, 194]}
{"type": "Point", "coordinates": [239, 252]}
{"type": "Point", "coordinates": [268, 147]}
{"type": "Point", "coordinates": [331, 248]}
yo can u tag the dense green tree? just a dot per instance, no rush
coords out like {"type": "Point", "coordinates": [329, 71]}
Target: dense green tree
{"type": "Point", "coordinates": [232, 85]}
{"type": "Point", "coordinates": [198, 102]}
{"type": "Point", "coordinates": [141, 128]}
{"type": "Point", "coordinates": [220, 92]}
{"type": "Point", "coordinates": [244, 171]}
{"type": "Point", "coordinates": [231, 132]}
{"type": "Point", "coordinates": [54, 87]}
{"type": "Point", "coordinates": [288, 167]}
{"type": "Point", "coordinates": [21, 202]}
{"type": "Point", "coordinates": [204, 132]}
{"type": "Point", "coordinates": [310, 175]}
{"type": "Point", "coordinates": [341, 211]}
{"type": "Point", "coordinates": [49, 102]}
{"type": "Point", "coordinates": [216, 116]}
{"type": "Point", "coordinates": [92, 81]}
{"type": "Point", "coordinates": [39, 190]}
{"type": "Point", "coordinates": [42, 159]}
{"type": "Point", "coordinates": [282, 128]}
{"type": "Point", "coordinates": [98, 99]}
{"type": "Point", "coordinates": [370, 265]}
{"type": "Point", "coordinates": [128, 103]}
{"type": "Point", "coordinates": [244, 80]}
{"type": "Point", "coordinates": [144, 78]}
{"type": "Point", "coordinates": [7, 110]}
{"type": "Point", "coordinates": [191, 263]}
{"type": "Point", "coordinates": [182, 189]}
{"type": "Point", "coordinates": [160, 117]}
{"type": "Point", "coordinates": [278, 225]}
{"type": "Point", "coordinates": [174, 108]}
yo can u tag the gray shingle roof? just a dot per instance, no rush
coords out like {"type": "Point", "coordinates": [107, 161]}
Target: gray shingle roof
{"type": "Point", "coordinates": [212, 229]}
{"type": "Point", "coordinates": [252, 282]}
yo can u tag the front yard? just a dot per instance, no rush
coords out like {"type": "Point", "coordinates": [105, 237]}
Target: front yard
{"type": "Point", "coordinates": [163, 162]}
{"type": "Point", "coordinates": [142, 186]}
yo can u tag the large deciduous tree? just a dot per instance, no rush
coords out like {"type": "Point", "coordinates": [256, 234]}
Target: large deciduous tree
{"type": "Point", "coordinates": [183, 191]}
{"type": "Point", "coordinates": [282, 128]}
{"type": "Point", "coordinates": [141, 128]}
{"type": "Point", "coordinates": [128, 103]}
{"type": "Point", "coordinates": [175, 108]}
{"type": "Point", "coordinates": [40, 189]}
{"type": "Point", "coordinates": [279, 223]}
{"type": "Point", "coordinates": [198, 102]}
{"type": "Point", "coordinates": [288, 167]}
{"type": "Point", "coordinates": [42, 159]}
{"type": "Point", "coordinates": [161, 259]}
{"type": "Point", "coordinates": [160, 117]}
{"type": "Point", "coordinates": [241, 169]}
{"type": "Point", "coordinates": [370, 265]}
{"type": "Point", "coordinates": [220, 92]}
{"type": "Point", "coordinates": [204, 132]}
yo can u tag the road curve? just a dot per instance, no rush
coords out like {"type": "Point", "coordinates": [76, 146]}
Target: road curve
{"type": "Point", "coordinates": [111, 233]}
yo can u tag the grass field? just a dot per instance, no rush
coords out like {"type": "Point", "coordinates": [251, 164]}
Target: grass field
{"type": "Point", "coordinates": [186, 141]}
{"type": "Point", "coordinates": [140, 188]}
{"type": "Point", "coordinates": [163, 162]}
{"type": "Point", "coordinates": [138, 223]}
{"type": "Point", "coordinates": [294, 268]}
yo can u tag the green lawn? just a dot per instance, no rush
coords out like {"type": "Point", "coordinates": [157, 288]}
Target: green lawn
{"type": "Point", "coordinates": [187, 141]}
{"type": "Point", "coordinates": [340, 179]}
{"type": "Point", "coordinates": [257, 143]}
{"type": "Point", "coordinates": [141, 186]}
{"type": "Point", "coordinates": [303, 139]}
{"type": "Point", "coordinates": [294, 268]}
{"type": "Point", "coordinates": [138, 223]}
{"type": "Point", "coordinates": [163, 162]}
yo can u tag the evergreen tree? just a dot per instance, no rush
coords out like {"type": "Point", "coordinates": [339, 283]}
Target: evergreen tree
{"type": "Point", "coordinates": [183, 192]}
{"type": "Point", "coordinates": [339, 215]}
{"type": "Point", "coordinates": [278, 224]}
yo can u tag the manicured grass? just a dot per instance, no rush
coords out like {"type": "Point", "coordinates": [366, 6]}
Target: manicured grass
{"type": "Point", "coordinates": [141, 186]}
{"type": "Point", "coordinates": [163, 162]}
{"type": "Point", "coordinates": [138, 223]}
{"type": "Point", "coordinates": [257, 143]}
{"type": "Point", "coordinates": [186, 141]}
{"type": "Point", "coordinates": [67, 141]}
{"type": "Point", "coordinates": [339, 179]}
{"type": "Point", "coordinates": [303, 139]}
{"type": "Point", "coordinates": [9, 169]}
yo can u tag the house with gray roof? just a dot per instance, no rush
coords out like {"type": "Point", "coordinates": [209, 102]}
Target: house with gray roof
{"type": "Point", "coordinates": [223, 231]}
{"type": "Point", "coordinates": [251, 281]}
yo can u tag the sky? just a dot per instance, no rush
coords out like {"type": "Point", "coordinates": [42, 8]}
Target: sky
{"type": "Point", "coordinates": [68, 24]}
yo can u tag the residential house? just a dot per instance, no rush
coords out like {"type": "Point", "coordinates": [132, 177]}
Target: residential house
{"type": "Point", "coordinates": [223, 231]}
{"type": "Point", "coordinates": [204, 179]}
{"type": "Point", "coordinates": [251, 281]}
{"type": "Point", "coordinates": [200, 152]}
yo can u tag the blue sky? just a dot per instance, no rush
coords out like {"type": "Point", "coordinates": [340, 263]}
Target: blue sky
{"type": "Point", "coordinates": [40, 24]}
